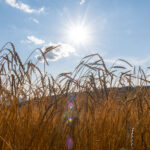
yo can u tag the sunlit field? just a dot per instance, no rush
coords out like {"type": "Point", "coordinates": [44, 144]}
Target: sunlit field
{"type": "Point", "coordinates": [95, 107]}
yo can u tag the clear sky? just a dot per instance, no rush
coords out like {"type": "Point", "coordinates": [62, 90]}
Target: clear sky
{"type": "Point", "coordinates": [112, 28]}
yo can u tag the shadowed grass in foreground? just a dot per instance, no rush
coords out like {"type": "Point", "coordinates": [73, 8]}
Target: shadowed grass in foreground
{"type": "Point", "coordinates": [97, 117]}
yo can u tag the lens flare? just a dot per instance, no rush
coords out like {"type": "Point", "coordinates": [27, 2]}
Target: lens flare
{"type": "Point", "coordinates": [70, 119]}
{"type": "Point", "coordinates": [72, 98]}
{"type": "Point", "coordinates": [70, 106]}
{"type": "Point", "coordinates": [69, 143]}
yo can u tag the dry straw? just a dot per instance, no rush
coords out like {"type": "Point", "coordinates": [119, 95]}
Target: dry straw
{"type": "Point", "coordinates": [106, 98]}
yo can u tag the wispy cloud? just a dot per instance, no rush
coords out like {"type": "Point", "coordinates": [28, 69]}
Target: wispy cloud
{"type": "Point", "coordinates": [34, 20]}
{"type": "Point", "coordinates": [35, 40]}
{"type": "Point", "coordinates": [82, 2]}
{"type": "Point", "coordinates": [64, 50]}
{"type": "Point", "coordinates": [133, 61]}
{"type": "Point", "coordinates": [22, 6]}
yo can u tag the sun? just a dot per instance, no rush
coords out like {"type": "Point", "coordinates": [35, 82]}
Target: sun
{"type": "Point", "coordinates": [78, 34]}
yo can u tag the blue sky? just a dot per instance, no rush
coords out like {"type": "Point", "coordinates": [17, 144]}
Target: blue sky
{"type": "Point", "coordinates": [116, 29]}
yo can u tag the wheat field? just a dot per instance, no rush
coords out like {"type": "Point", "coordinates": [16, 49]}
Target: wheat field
{"type": "Point", "coordinates": [95, 107]}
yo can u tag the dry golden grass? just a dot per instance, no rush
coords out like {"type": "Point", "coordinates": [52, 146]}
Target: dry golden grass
{"type": "Point", "coordinates": [103, 116]}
